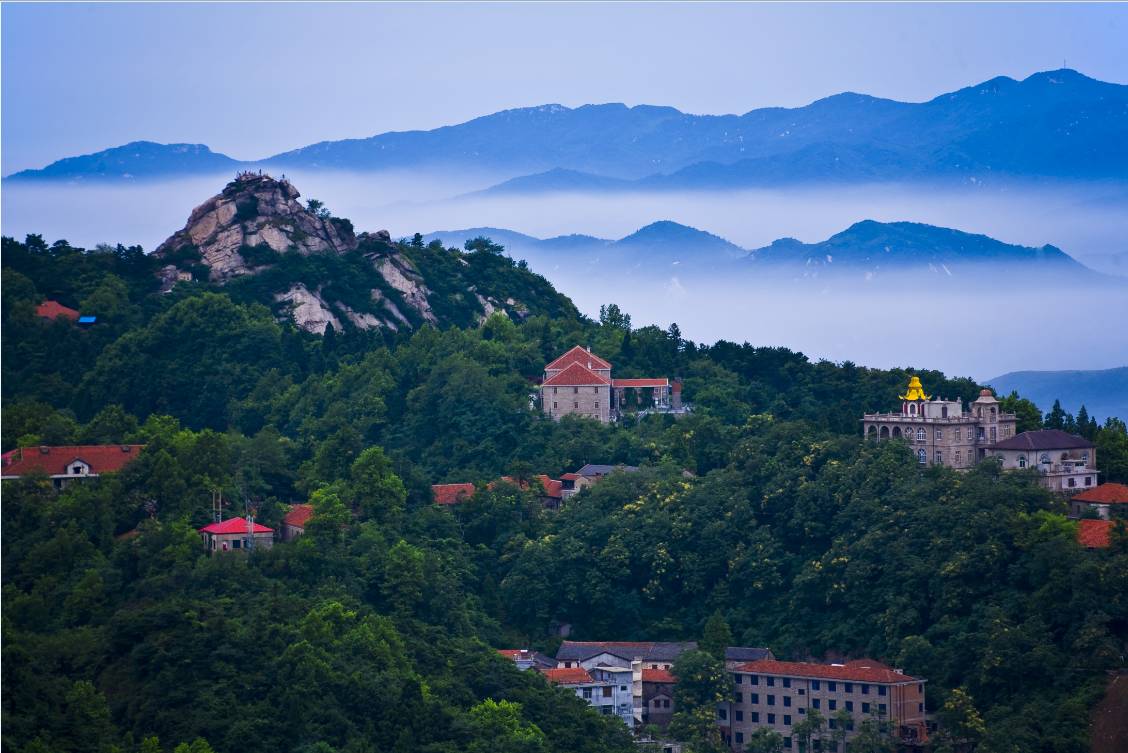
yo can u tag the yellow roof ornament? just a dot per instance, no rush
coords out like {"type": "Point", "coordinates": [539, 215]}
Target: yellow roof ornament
{"type": "Point", "coordinates": [915, 391]}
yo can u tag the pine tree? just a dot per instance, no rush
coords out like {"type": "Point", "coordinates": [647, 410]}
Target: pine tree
{"type": "Point", "coordinates": [716, 636]}
{"type": "Point", "coordinates": [1055, 419]}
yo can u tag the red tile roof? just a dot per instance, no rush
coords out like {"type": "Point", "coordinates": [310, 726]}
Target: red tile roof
{"type": "Point", "coordinates": [452, 494]}
{"type": "Point", "coordinates": [1094, 534]}
{"type": "Point", "coordinates": [645, 382]}
{"type": "Point", "coordinates": [569, 676]}
{"type": "Point", "coordinates": [552, 487]}
{"type": "Point", "coordinates": [658, 675]}
{"type": "Point", "coordinates": [576, 375]}
{"type": "Point", "coordinates": [857, 671]}
{"type": "Point", "coordinates": [1105, 494]}
{"type": "Point", "coordinates": [298, 515]}
{"type": "Point", "coordinates": [234, 525]}
{"type": "Point", "coordinates": [52, 309]}
{"type": "Point", "coordinates": [54, 461]}
{"type": "Point", "coordinates": [578, 355]}
{"type": "Point", "coordinates": [571, 476]}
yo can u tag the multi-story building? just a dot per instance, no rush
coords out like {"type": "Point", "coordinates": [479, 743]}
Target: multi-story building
{"type": "Point", "coordinates": [579, 383]}
{"type": "Point", "coordinates": [777, 695]}
{"type": "Point", "coordinates": [940, 431]}
{"type": "Point", "coordinates": [607, 688]}
{"type": "Point", "coordinates": [1066, 461]}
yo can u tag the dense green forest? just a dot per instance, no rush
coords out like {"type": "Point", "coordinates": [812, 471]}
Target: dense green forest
{"type": "Point", "coordinates": [373, 632]}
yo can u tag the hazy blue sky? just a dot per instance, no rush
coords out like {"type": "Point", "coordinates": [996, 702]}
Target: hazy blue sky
{"type": "Point", "coordinates": [253, 80]}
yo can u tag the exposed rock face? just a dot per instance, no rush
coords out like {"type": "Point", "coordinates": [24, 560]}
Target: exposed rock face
{"type": "Point", "coordinates": [401, 274]}
{"type": "Point", "coordinates": [255, 210]}
{"type": "Point", "coordinates": [309, 310]}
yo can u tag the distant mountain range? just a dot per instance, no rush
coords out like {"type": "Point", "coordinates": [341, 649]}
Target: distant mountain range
{"type": "Point", "coordinates": [866, 251]}
{"type": "Point", "coordinates": [1104, 393]}
{"type": "Point", "coordinates": [1053, 125]}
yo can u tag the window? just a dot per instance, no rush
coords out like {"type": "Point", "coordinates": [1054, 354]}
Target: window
{"type": "Point", "coordinates": [756, 717]}
{"type": "Point", "coordinates": [802, 692]}
{"type": "Point", "coordinates": [994, 433]}
{"type": "Point", "coordinates": [865, 689]}
{"type": "Point", "coordinates": [77, 470]}
{"type": "Point", "coordinates": [554, 406]}
{"type": "Point", "coordinates": [939, 457]}
{"type": "Point", "coordinates": [753, 697]}
{"type": "Point", "coordinates": [802, 711]}
{"type": "Point", "coordinates": [787, 742]}
{"type": "Point", "coordinates": [849, 705]}
{"type": "Point", "coordinates": [575, 390]}
{"type": "Point", "coordinates": [553, 390]}
{"type": "Point", "coordinates": [622, 687]}
{"type": "Point", "coordinates": [939, 433]}
{"type": "Point", "coordinates": [1088, 481]}
{"type": "Point", "coordinates": [607, 691]}
{"type": "Point", "coordinates": [982, 433]}
{"type": "Point", "coordinates": [771, 718]}
{"type": "Point", "coordinates": [753, 679]}
{"type": "Point", "coordinates": [771, 682]}
{"type": "Point", "coordinates": [771, 700]}
{"type": "Point", "coordinates": [830, 723]}
{"type": "Point", "coordinates": [1085, 458]}
{"type": "Point", "coordinates": [787, 682]}
{"type": "Point", "coordinates": [849, 687]}
{"type": "Point", "coordinates": [739, 697]}
{"type": "Point", "coordinates": [739, 715]}
{"type": "Point", "coordinates": [815, 703]}
{"type": "Point", "coordinates": [959, 458]}
{"type": "Point", "coordinates": [865, 708]}
{"type": "Point", "coordinates": [235, 544]}
{"type": "Point", "coordinates": [881, 690]}
{"type": "Point", "coordinates": [787, 719]}
{"type": "Point", "coordinates": [1021, 461]}
{"type": "Point", "coordinates": [722, 714]}
{"type": "Point", "coordinates": [1072, 481]}
{"type": "Point", "coordinates": [831, 705]}
{"type": "Point", "coordinates": [832, 686]}
{"type": "Point", "coordinates": [881, 708]}
{"type": "Point", "coordinates": [587, 692]}
{"type": "Point", "coordinates": [787, 700]}
{"type": "Point", "coordinates": [920, 435]}
{"type": "Point", "coordinates": [920, 687]}
{"type": "Point", "coordinates": [739, 737]}
{"type": "Point", "coordinates": [1045, 459]}
{"type": "Point", "coordinates": [814, 684]}
{"type": "Point", "coordinates": [575, 405]}
{"type": "Point", "coordinates": [920, 708]}
{"type": "Point", "coordinates": [738, 679]}
{"type": "Point", "coordinates": [922, 456]}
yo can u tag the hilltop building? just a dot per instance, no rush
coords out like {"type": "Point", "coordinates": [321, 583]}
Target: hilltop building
{"type": "Point", "coordinates": [778, 694]}
{"type": "Point", "coordinates": [68, 463]}
{"type": "Point", "coordinates": [607, 688]}
{"type": "Point", "coordinates": [580, 383]}
{"type": "Point", "coordinates": [1107, 501]}
{"type": "Point", "coordinates": [940, 431]}
{"type": "Point", "coordinates": [1066, 461]}
{"type": "Point", "coordinates": [235, 534]}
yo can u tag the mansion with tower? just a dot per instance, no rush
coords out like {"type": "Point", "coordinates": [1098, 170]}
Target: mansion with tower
{"type": "Point", "coordinates": [940, 431]}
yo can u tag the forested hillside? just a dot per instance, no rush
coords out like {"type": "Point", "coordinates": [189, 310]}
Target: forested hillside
{"type": "Point", "coordinates": [373, 632]}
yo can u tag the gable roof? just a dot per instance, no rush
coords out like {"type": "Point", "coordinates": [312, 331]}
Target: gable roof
{"type": "Point", "coordinates": [451, 494]}
{"type": "Point", "coordinates": [747, 653]}
{"type": "Point", "coordinates": [552, 487]}
{"type": "Point", "coordinates": [862, 670]}
{"type": "Point", "coordinates": [643, 382]}
{"type": "Point", "coordinates": [298, 515]}
{"type": "Point", "coordinates": [580, 355]}
{"type": "Point", "coordinates": [575, 375]}
{"type": "Point", "coordinates": [594, 469]}
{"type": "Point", "coordinates": [1094, 534]}
{"type": "Point", "coordinates": [52, 309]}
{"type": "Point", "coordinates": [644, 650]}
{"type": "Point", "coordinates": [1043, 439]}
{"type": "Point", "coordinates": [658, 675]}
{"type": "Point", "coordinates": [569, 676]}
{"type": "Point", "coordinates": [234, 525]}
{"type": "Point", "coordinates": [54, 461]}
{"type": "Point", "coordinates": [1105, 494]}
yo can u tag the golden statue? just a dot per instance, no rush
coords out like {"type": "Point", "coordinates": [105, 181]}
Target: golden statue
{"type": "Point", "coordinates": [915, 391]}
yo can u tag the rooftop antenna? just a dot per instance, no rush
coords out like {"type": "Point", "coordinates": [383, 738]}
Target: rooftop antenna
{"type": "Point", "coordinates": [217, 506]}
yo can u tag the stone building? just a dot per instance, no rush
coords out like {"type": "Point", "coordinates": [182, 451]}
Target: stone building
{"type": "Point", "coordinates": [940, 431]}
{"type": "Point", "coordinates": [579, 383]}
{"type": "Point", "coordinates": [1066, 461]}
{"type": "Point", "coordinates": [777, 695]}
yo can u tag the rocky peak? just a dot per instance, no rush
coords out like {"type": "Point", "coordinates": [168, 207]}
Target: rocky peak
{"type": "Point", "coordinates": [253, 210]}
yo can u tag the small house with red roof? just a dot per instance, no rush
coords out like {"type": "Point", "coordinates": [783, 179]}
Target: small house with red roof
{"type": "Point", "coordinates": [580, 383]}
{"type": "Point", "coordinates": [236, 535]}
{"type": "Point", "coordinates": [1095, 534]}
{"type": "Point", "coordinates": [657, 696]}
{"type": "Point", "coordinates": [53, 310]}
{"type": "Point", "coordinates": [294, 521]}
{"type": "Point", "coordinates": [777, 695]}
{"type": "Point", "coordinates": [451, 494]}
{"type": "Point", "coordinates": [1107, 501]}
{"type": "Point", "coordinates": [64, 464]}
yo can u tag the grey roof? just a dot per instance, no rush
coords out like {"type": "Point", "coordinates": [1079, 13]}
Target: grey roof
{"type": "Point", "coordinates": [747, 653]}
{"type": "Point", "coordinates": [1043, 439]}
{"type": "Point", "coordinates": [593, 469]}
{"type": "Point", "coordinates": [644, 650]}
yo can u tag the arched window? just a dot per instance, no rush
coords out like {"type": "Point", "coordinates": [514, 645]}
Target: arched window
{"type": "Point", "coordinates": [920, 435]}
{"type": "Point", "coordinates": [871, 432]}
{"type": "Point", "coordinates": [896, 432]}
{"type": "Point", "coordinates": [912, 409]}
{"type": "Point", "coordinates": [1045, 459]}
{"type": "Point", "coordinates": [884, 432]}
{"type": "Point", "coordinates": [1021, 461]}
{"type": "Point", "coordinates": [994, 412]}
{"type": "Point", "coordinates": [922, 456]}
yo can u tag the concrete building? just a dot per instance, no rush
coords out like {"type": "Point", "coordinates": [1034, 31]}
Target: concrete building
{"type": "Point", "coordinates": [940, 431]}
{"type": "Point", "coordinates": [607, 688]}
{"type": "Point", "coordinates": [235, 535]}
{"type": "Point", "coordinates": [580, 383]}
{"type": "Point", "coordinates": [1067, 462]}
{"type": "Point", "coordinates": [1107, 502]}
{"type": "Point", "coordinates": [67, 464]}
{"type": "Point", "coordinates": [777, 695]}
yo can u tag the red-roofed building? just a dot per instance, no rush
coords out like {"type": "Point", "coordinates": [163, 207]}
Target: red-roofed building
{"type": "Point", "coordinates": [235, 534]}
{"type": "Point", "coordinates": [1095, 534]}
{"type": "Point", "coordinates": [1106, 500]}
{"type": "Point", "coordinates": [657, 697]}
{"type": "Point", "coordinates": [527, 659]}
{"type": "Point", "coordinates": [294, 522]}
{"type": "Point", "coordinates": [54, 310]}
{"type": "Point", "coordinates": [777, 695]}
{"type": "Point", "coordinates": [67, 463]}
{"type": "Point", "coordinates": [451, 494]}
{"type": "Point", "coordinates": [579, 383]}
{"type": "Point", "coordinates": [607, 688]}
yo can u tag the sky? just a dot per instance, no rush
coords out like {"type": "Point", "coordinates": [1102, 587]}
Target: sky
{"type": "Point", "coordinates": [251, 80]}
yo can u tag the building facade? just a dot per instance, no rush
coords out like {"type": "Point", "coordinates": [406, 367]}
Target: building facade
{"type": "Point", "coordinates": [940, 431]}
{"type": "Point", "coordinates": [294, 522]}
{"type": "Point", "coordinates": [1066, 461]}
{"type": "Point", "coordinates": [1107, 502]}
{"type": "Point", "coordinates": [777, 695]}
{"type": "Point", "coordinates": [68, 463]}
{"type": "Point", "coordinates": [236, 535]}
{"type": "Point", "coordinates": [606, 688]}
{"type": "Point", "coordinates": [579, 383]}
